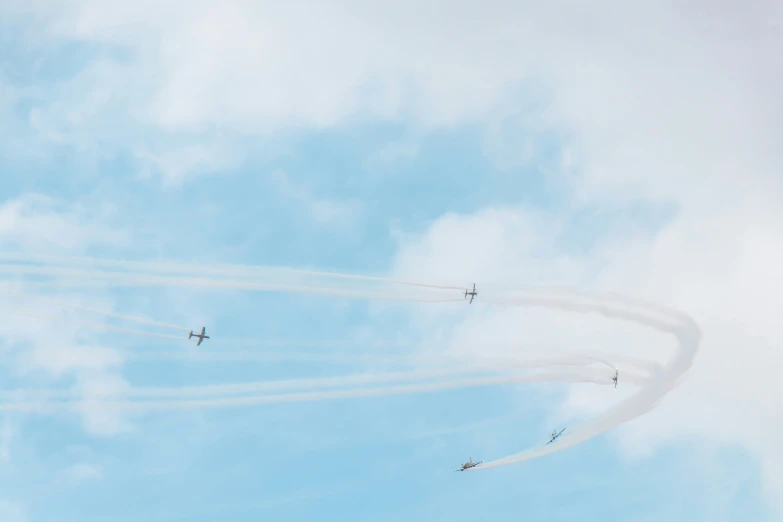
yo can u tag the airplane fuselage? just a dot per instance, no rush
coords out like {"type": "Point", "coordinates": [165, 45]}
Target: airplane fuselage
{"type": "Point", "coordinates": [472, 294]}
{"type": "Point", "coordinates": [201, 336]}
{"type": "Point", "coordinates": [469, 464]}
{"type": "Point", "coordinates": [555, 436]}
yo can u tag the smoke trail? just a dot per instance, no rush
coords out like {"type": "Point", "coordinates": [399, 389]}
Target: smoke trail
{"type": "Point", "coordinates": [360, 379]}
{"type": "Point", "coordinates": [65, 304]}
{"type": "Point", "coordinates": [144, 406]}
{"type": "Point", "coordinates": [354, 358]}
{"type": "Point", "coordinates": [688, 335]}
{"type": "Point", "coordinates": [657, 317]}
{"type": "Point", "coordinates": [224, 270]}
{"type": "Point", "coordinates": [94, 326]}
{"type": "Point", "coordinates": [94, 279]}
{"type": "Point", "coordinates": [129, 318]}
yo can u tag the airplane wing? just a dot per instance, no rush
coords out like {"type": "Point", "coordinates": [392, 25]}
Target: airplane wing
{"type": "Point", "coordinates": [199, 341]}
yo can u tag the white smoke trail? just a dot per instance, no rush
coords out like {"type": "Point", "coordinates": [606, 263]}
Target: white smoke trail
{"type": "Point", "coordinates": [337, 381]}
{"type": "Point", "coordinates": [683, 328]}
{"type": "Point", "coordinates": [128, 318]}
{"type": "Point", "coordinates": [72, 306]}
{"type": "Point", "coordinates": [225, 270]}
{"type": "Point", "coordinates": [668, 321]}
{"type": "Point", "coordinates": [87, 279]}
{"type": "Point", "coordinates": [145, 406]}
{"type": "Point", "coordinates": [94, 326]}
{"type": "Point", "coordinates": [213, 356]}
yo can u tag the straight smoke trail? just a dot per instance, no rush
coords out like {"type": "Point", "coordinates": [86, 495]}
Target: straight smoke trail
{"type": "Point", "coordinates": [224, 269]}
{"type": "Point", "coordinates": [355, 358]}
{"type": "Point", "coordinates": [256, 273]}
{"type": "Point", "coordinates": [365, 393]}
{"type": "Point", "coordinates": [147, 406]}
{"type": "Point", "coordinates": [127, 318]}
{"type": "Point", "coordinates": [325, 382]}
{"type": "Point", "coordinates": [81, 279]}
{"type": "Point", "coordinates": [93, 326]}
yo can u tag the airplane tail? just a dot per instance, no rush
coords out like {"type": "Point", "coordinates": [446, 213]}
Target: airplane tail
{"type": "Point", "coordinates": [190, 335]}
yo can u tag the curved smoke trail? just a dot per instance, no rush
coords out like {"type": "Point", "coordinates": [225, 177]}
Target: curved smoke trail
{"type": "Point", "coordinates": [682, 327]}
{"type": "Point", "coordinates": [665, 320]}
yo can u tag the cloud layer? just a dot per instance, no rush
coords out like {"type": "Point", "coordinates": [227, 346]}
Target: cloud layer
{"type": "Point", "coordinates": [655, 95]}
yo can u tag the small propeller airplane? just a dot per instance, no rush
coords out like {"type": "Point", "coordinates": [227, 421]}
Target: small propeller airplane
{"type": "Point", "coordinates": [469, 464]}
{"type": "Point", "coordinates": [471, 294]}
{"type": "Point", "coordinates": [616, 374]}
{"type": "Point", "coordinates": [555, 435]}
{"type": "Point", "coordinates": [200, 336]}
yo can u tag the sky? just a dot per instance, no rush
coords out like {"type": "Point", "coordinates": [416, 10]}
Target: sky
{"type": "Point", "coordinates": [628, 147]}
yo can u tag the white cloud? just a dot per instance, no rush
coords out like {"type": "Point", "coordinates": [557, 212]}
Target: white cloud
{"type": "Point", "coordinates": [44, 344]}
{"type": "Point", "coordinates": [321, 210]}
{"type": "Point", "coordinates": [498, 237]}
{"type": "Point", "coordinates": [80, 473]}
{"type": "Point", "coordinates": [42, 223]}
{"type": "Point", "coordinates": [392, 154]}
{"type": "Point", "coordinates": [50, 352]}
{"type": "Point", "coordinates": [58, 359]}
{"type": "Point", "coordinates": [619, 74]}
{"type": "Point", "coordinates": [174, 164]}
{"type": "Point", "coordinates": [722, 270]}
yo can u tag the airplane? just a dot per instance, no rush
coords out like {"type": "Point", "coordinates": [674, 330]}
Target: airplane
{"type": "Point", "coordinates": [616, 373]}
{"type": "Point", "coordinates": [200, 336]}
{"type": "Point", "coordinates": [555, 435]}
{"type": "Point", "coordinates": [471, 294]}
{"type": "Point", "coordinates": [469, 464]}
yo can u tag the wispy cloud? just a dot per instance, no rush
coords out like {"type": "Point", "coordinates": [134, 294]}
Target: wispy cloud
{"type": "Point", "coordinates": [39, 347]}
{"type": "Point", "coordinates": [321, 210]}
{"type": "Point", "coordinates": [394, 153]}
{"type": "Point", "coordinates": [81, 473]}
{"type": "Point", "coordinates": [40, 222]}
{"type": "Point", "coordinates": [176, 163]}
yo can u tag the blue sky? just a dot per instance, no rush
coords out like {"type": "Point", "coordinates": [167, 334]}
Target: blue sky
{"type": "Point", "coordinates": [396, 165]}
